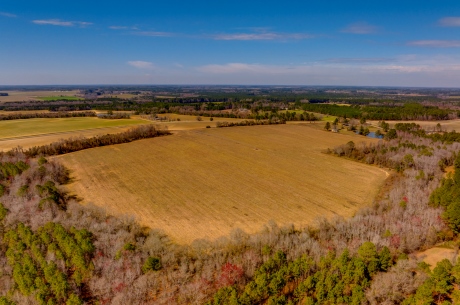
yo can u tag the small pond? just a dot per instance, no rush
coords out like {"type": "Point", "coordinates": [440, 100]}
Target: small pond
{"type": "Point", "coordinates": [372, 135]}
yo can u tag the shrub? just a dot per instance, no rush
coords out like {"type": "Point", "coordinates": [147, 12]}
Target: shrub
{"type": "Point", "coordinates": [129, 247]}
{"type": "Point", "coordinates": [42, 160]}
{"type": "Point", "coordinates": [22, 191]}
{"type": "Point", "coordinates": [74, 300]}
{"type": "Point", "coordinates": [151, 264]}
{"type": "Point", "coordinates": [3, 212]}
{"type": "Point", "coordinates": [5, 301]}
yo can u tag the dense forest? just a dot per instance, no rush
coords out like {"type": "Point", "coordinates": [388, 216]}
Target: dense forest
{"type": "Point", "coordinates": [409, 111]}
{"type": "Point", "coordinates": [56, 251]}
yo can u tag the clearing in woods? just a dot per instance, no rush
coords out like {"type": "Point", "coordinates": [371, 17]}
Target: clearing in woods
{"type": "Point", "coordinates": [436, 254]}
{"type": "Point", "coordinates": [204, 183]}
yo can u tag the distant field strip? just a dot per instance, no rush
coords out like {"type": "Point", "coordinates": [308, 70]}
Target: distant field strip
{"type": "Point", "coordinates": [16, 96]}
{"type": "Point", "coordinates": [60, 98]}
{"type": "Point", "coordinates": [204, 183]}
{"type": "Point", "coordinates": [449, 125]}
{"type": "Point", "coordinates": [32, 127]}
{"type": "Point", "coordinates": [38, 140]}
{"type": "Point", "coordinates": [33, 132]}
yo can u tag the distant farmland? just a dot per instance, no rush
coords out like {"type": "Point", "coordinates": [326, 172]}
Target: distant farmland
{"type": "Point", "coordinates": [204, 183]}
{"type": "Point", "coordinates": [31, 127]}
{"type": "Point", "coordinates": [17, 96]}
{"type": "Point", "coordinates": [33, 132]}
{"type": "Point", "coordinates": [60, 98]}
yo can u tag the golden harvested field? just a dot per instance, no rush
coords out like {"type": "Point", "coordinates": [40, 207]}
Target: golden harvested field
{"type": "Point", "coordinates": [204, 183]}
{"type": "Point", "coordinates": [19, 96]}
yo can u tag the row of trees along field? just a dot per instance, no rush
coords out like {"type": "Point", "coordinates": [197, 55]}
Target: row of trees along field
{"type": "Point", "coordinates": [79, 143]}
{"type": "Point", "coordinates": [46, 115]}
{"type": "Point", "coordinates": [220, 124]}
{"type": "Point", "coordinates": [55, 251]}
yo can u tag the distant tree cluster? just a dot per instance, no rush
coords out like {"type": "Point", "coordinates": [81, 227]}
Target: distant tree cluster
{"type": "Point", "coordinates": [255, 113]}
{"type": "Point", "coordinates": [76, 144]}
{"type": "Point", "coordinates": [248, 123]}
{"type": "Point", "coordinates": [407, 111]}
{"type": "Point", "coordinates": [114, 115]}
{"type": "Point", "coordinates": [47, 115]}
{"type": "Point", "coordinates": [402, 150]}
{"type": "Point", "coordinates": [335, 110]}
{"type": "Point", "coordinates": [436, 134]}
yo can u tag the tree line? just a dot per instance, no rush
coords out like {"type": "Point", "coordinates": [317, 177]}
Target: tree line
{"type": "Point", "coordinates": [46, 115]}
{"type": "Point", "coordinates": [221, 124]}
{"type": "Point", "coordinates": [79, 143]}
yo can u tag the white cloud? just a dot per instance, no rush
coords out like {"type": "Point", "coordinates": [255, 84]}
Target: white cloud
{"type": "Point", "coordinates": [58, 22]}
{"type": "Point", "coordinates": [117, 27]}
{"type": "Point", "coordinates": [359, 60]}
{"type": "Point", "coordinates": [262, 36]}
{"type": "Point", "coordinates": [141, 64]}
{"type": "Point", "coordinates": [418, 68]}
{"type": "Point", "coordinates": [435, 43]}
{"type": "Point", "coordinates": [360, 28]}
{"type": "Point", "coordinates": [450, 21]}
{"type": "Point", "coordinates": [403, 64]}
{"type": "Point", "coordinates": [404, 70]}
{"type": "Point", "coordinates": [82, 23]}
{"type": "Point", "coordinates": [235, 68]}
{"type": "Point", "coordinates": [154, 34]}
{"type": "Point", "coordinates": [4, 14]}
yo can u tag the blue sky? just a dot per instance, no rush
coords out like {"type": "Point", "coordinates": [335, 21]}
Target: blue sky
{"type": "Point", "coordinates": [386, 43]}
